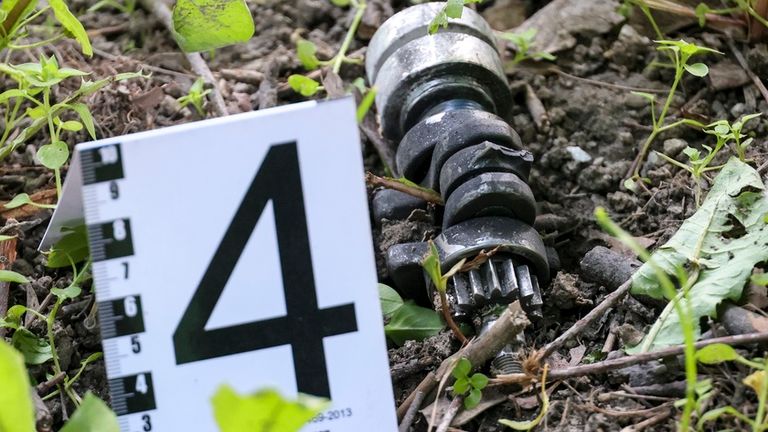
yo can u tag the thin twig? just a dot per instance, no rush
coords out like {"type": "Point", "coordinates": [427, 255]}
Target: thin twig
{"type": "Point", "coordinates": [425, 386]}
{"type": "Point", "coordinates": [581, 324]}
{"type": "Point", "coordinates": [450, 414]}
{"type": "Point", "coordinates": [196, 61]}
{"type": "Point", "coordinates": [744, 65]}
{"type": "Point", "coordinates": [477, 351]}
{"type": "Point", "coordinates": [623, 362]}
{"type": "Point", "coordinates": [390, 183]}
{"type": "Point", "coordinates": [57, 379]}
{"type": "Point", "coordinates": [411, 414]}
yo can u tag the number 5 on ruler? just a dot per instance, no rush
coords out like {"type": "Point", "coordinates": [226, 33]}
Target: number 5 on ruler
{"type": "Point", "coordinates": [304, 326]}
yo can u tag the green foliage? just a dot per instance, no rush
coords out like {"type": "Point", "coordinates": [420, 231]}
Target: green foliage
{"type": "Point", "coordinates": [471, 386]}
{"type": "Point", "coordinates": [390, 300]}
{"type": "Point", "coordinates": [306, 52]}
{"type": "Point", "coordinates": [528, 425]}
{"type": "Point", "coordinates": [203, 25]}
{"type": "Point", "coordinates": [365, 105]}
{"type": "Point", "coordinates": [680, 53]}
{"type": "Point", "coordinates": [35, 350]}
{"type": "Point", "coordinates": [24, 199]}
{"type": "Point", "coordinates": [71, 25]}
{"type": "Point", "coordinates": [12, 276]}
{"type": "Point", "coordinates": [432, 266]}
{"type": "Point", "coordinates": [126, 7]}
{"type": "Point", "coordinates": [758, 381]}
{"type": "Point", "coordinates": [92, 415]}
{"type": "Point", "coordinates": [682, 309]}
{"type": "Point", "coordinates": [303, 85]}
{"type": "Point", "coordinates": [720, 243]}
{"type": "Point", "coordinates": [196, 96]}
{"type": "Point", "coordinates": [71, 249]}
{"type": "Point", "coordinates": [451, 9]}
{"type": "Point", "coordinates": [522, 42]}
{"type": "Point", "coordinates": [16, 410]}
{"type": "Point", "coordinates": [412, 322]}
{"type": "Point", "coordinates": [265, 410]}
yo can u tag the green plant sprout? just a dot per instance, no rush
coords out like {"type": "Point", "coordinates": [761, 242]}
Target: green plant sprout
{"type": "Point", "coordinates": [24, 199]}
{"type": "Point", "coordinates": [681, 52]}
{"type": "Point", "coordinates": [682, 308]}
{"type": "Point", "coordinates": [306, 52]}
{"type": "Point", "coordinates": [451, 9]}
{"type": "Point", "coordinates": [522, 42]}
{"type": "Point", "coordinates": [528, 425]}
{"type": "Point", "coordinates": [195, 96]}
{"type": "Point", "coordinates": [126, 7]}
{"type": "Point", "coordinates": [731, 132]}
{"type": "Point", "coordinates": [15, 15]}
{"type": "Point", "coordinates": [471, 386]}
{"type": "Point", "coordinates": [745, 6]}
{"type": "Point", "coordinates": [433, 267]}
{"type": "Point", "coordinates": [758, 381]}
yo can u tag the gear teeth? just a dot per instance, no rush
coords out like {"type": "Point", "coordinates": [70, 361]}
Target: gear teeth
{"type": "Point", "coordinates": [498, 280]}
{"type": "Point", "coordinates": [491, 279]}
{"type": "Point", "coordinates": [461, 288]}
{"type": "Point", "coordinates": [509, 287]}
{"type": "Point", "coordinates": [478, 287]}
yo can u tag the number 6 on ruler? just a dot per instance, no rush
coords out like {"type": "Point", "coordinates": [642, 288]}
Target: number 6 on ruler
{"type": "Point", "coordinates": [305, 325]}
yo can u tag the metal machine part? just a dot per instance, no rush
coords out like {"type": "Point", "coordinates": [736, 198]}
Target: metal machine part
{"type": "Point", "coordinates": [444, 97]}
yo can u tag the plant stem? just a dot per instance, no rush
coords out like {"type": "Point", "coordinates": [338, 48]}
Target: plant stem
{"type": "Point", "coordinates": [761, 401]}
{"type": "Point", "coordinates": [360, 6]}
{"type": "Point", "coordinates": [449, 319]}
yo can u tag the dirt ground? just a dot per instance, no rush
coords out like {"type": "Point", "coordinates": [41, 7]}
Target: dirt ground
{"type": "Point", "coordinates": [583, 149]}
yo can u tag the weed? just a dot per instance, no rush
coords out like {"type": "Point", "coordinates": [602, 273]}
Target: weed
{"type": "Point", "coordinates": [725, 133]}
{"type": "Point", "coordinates": [758, 381]}
{"type": "Point", "coordinates": [528, 425]}
{"type": "Point", "coordinates": [195, 96]}
{"type": "Point", "coordinates": [126, 7]}
{"type": "Point", "coordinates": [433, 267]}
{"type": "Point", "coordinates": [522, 42]}
{"type": "Point", "coordinates": [471, 386]}
{"type": "Point", "coordinates": [451, 9]}
{"type": "Point", "coordinates": [682, 308]}
{"type": "Point", "coordinates": [681, 52]}
{"type": "Point", "coordinates": [407, 321]}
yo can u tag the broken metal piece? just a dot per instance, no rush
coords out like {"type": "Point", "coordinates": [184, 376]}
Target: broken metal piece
{"type": "Point", "coordinates": [445, 97]}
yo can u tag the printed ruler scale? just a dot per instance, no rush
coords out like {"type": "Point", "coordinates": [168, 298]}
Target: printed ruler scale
{"type": "Point", "coordinates": [216, 249]}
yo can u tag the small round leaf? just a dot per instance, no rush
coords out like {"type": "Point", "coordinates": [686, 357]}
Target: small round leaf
{"type": "Point", "coordinates": [716, 353]}
{"type": "Point", "coordinates": [697, 69]}
{"type": "Point", "coordinates": [53, 155]}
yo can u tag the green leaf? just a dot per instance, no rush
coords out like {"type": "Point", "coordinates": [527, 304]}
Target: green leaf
{"type": "Point", "coordinates": [13, 93]}
{"type": "Point", "coordinates": [692, 153]}
{"type": "Point", "coordinates": [366, 104]}
{"type": "Point", "coordinates": [649, 96]}
{"type": "Point", "coordinates": [13, 317]}
{"type": "Point", "coordinates": [67, 293]}
{"type": "Point", "coordinates": [305, 51]}
{"type": "Point", "coordinates": [479, 381]}
{"type": "Point", "coordinates": [698, 69]}
{"type": "Point", "coordinates": [72, 125]}
{"type": "Point", "coordinates": [461, 386]}
{"type": "Point", "coordinates": [431, 265]}
{"type": "Point", "coordinates": [411, 322]}
{"type": "Point", "coordinates": [473, 398]}
{"type": "Point", "coordinates": [16, 411]}
{"type": "Point", "coordinates": [34, 349]}
{"type": "Point", "coordinates": [462, 369]}
{"type": "Point", "coordinates": [85, 115]}
{"type": "Point", "coordinates": [53, 155]}
{"type": "Point", "coordinates": [390, 300]}
{"type": "Point", "coordinates": [72, 248]}
{"type": "Point", "coordinates": [93, 415]}
{"type": "Point", "coordinates": [724, 238]}
{"type": "Point", "coordinates": [305, 86]}
{"type": "Point", "coordinates": [18, 201]}
{"type": "Point", "coordinates": [340, 3]}
{"type": "Point", "coordinates": [72, 25]}
{"type": "Point", "coordinates": [454, 8]}
{"type": "Point", "coordinates": [701, 13]}
{"type": "Point", "coordinates": [716, 353]}
{"type": "Point", "coordinates": [12, 276]}
{"type": "Point", "coordinates": [203, 25]}
{"type": "Point", "coordinates": [263, 411]}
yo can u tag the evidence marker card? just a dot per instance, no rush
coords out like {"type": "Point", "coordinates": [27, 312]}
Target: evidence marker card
{"type": "Point", "coordinates": [234, 251]}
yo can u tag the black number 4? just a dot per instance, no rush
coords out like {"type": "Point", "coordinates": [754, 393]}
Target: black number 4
{"type": "Point", "coordinates": [304, 326]}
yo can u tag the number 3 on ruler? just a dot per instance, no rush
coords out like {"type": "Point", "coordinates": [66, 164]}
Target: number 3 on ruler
{"type": "Point", "coordinates": [304, 326]}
